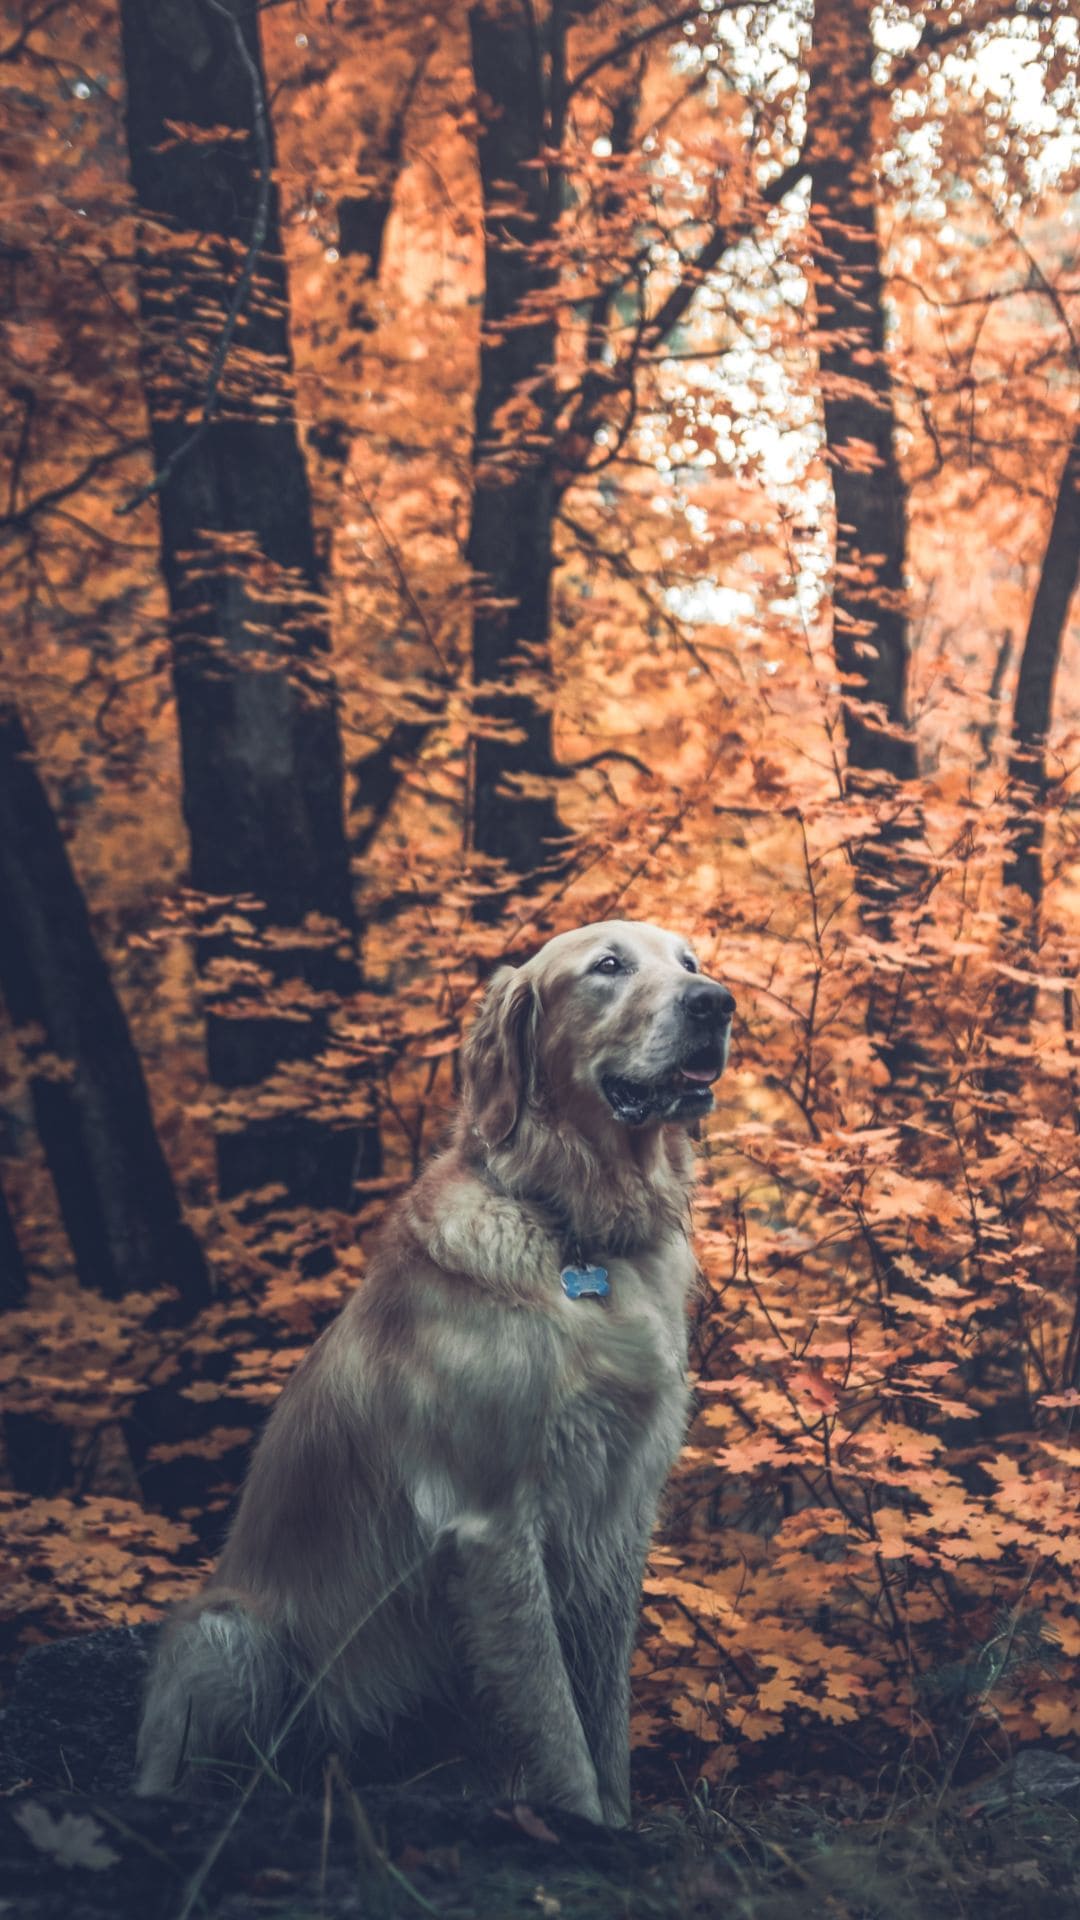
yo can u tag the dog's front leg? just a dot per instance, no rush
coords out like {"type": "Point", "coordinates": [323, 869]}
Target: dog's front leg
{"type": "Point", "coordinates": [512, 1645]}
{"type": "Point", "coordinates": [600, 1630]}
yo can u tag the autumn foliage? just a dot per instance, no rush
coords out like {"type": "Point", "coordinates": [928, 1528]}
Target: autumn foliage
{"type": "Point", "coordinates": [624, 466]}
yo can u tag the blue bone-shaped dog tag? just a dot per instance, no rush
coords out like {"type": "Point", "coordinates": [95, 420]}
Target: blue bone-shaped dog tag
{"type": "Point", "coordinates": [579, 1282]}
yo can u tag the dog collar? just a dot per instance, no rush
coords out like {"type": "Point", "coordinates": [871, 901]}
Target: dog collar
{"type": "Point", "coordinates": [579, 1283]}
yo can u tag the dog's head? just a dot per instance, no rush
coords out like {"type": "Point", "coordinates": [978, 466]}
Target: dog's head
{"type": "Point", "coordinates": [611, 1022]}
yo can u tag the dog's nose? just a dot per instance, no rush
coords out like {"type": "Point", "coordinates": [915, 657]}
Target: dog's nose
{"type": "Point", "coordinates": [707, 1001]}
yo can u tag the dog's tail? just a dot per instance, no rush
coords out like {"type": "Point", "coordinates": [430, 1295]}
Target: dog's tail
{"type": "Point", "coordinates": [218, 1692]}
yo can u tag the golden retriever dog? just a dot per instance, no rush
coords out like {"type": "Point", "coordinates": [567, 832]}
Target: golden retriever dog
{"type": "Point", "coordinates": [447, 1517]}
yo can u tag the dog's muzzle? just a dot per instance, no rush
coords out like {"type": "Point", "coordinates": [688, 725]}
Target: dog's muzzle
{"type": "Point", "coordinates": [684, 1091]}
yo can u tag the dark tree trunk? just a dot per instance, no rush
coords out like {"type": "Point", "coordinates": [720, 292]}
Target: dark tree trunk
{"type": "Point", "coordinates": [13, 1281]}
{"type": "Point", "coordinates": [1022, 871]}
{"type": "Point", "coordinates": [39, 1454]}
{"type": "Point", "coordinates": [998, 1368]}
{"type": "Point", "coordinates": [870, 628]}
{"type": "Point", "coordinates": [509, 550]}
{"type": "Point", "coordinates": [1033, 702]}
{"type": "Point", "coordinates": [257, 708]}
{"type": "Point", "coordinates": [525, 454]}
{"type": "Point", "coordinates": [37, 1451]}
{"type": "Point", "coordinates": [93, 1114]}
{"type": "Point", "coordinates": [114, 1190]}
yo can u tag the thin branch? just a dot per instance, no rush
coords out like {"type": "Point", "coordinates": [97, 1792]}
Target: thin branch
{"type": "Point", "coordinates": [610, 56]}
{"type": "Point", "coordinates": [944, 33]}
{"type": "Point", "coordinates": [407, 593]}
{"type": "Point", "coordinates": [606, 753]}
{"type": "Point", "coordinates": [46, 501]}
{"type": "Point", "coordinates": [17, 46]}
{"type": "Point", "coordinates": [601, 383]}
{"type": "Point", "coordinates": [1040, 279]}
{"type": "Point", "coordinates": [620, 133]}
{"type": "Point", "coordinates": [379, 774]}
{"type": "Point", "coordinates": [22, 447]}
{"type": "Point", "coordinates": [667, 318]}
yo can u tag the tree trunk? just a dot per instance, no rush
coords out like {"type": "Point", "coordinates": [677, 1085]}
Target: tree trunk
{"type": "Point", "coordinates": [92, 1108]}
{"type": "Point", "coordinates": [39, 1455]}
{"type": "Point", "coordinates": [1033, 702]}
{"type": "Point", "coordinates": [256, 703]}
{"type": "Point", "coordinates": [525, 457]}
{"type": "Point", "coordinates": [37, 1452]}
{"type": "Point", "coordinates": [870, 637]}
{"type": "Point", "coordinates": [1022, 873]}
{"type": "Point", "coordinates": [870, 630]}
{"type": "Point", "coordinates": [520, 84]}
{"type": "Point", "coordinates": [13, 1282]}
{"type": "Point", "coordinates": [998, 1368]}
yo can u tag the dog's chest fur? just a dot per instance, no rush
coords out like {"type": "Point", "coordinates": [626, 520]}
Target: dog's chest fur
{"type": "Point", "coordinates": [628, 1350]}
{"type": "Point", "coordinates": [616, 1432]}
{"type": "Point", "coordinates": [587, 1396]}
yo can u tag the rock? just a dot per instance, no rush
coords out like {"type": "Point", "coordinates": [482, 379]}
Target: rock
{"type": "Point", "coordinates": [72, 1714]}
{"type": "Point", "coordinates": [1035, 1773]}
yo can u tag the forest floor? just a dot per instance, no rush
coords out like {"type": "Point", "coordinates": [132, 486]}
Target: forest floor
{"type": "Point", "coordinates": [395, 1855]}
{"type": "Point", "coordinates": [1001, 1849]}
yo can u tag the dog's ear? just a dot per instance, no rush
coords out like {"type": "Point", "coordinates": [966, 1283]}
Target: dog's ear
{"type": "Point", "coordinates": [498, 1055]}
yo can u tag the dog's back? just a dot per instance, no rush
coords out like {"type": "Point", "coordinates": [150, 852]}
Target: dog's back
{"type": "Point", "coordinates": [318, 1613]}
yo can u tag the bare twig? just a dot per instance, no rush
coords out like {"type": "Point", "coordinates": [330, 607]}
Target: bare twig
{"type": "Point", "coordinates": [29, 401]}
{"type": "Point", "coordinates": [602, 383]}
{"type": "Point", "coordinates": [30, 25]}
{"type": "Point", "coordinates": [44, 502]}
{"type": "Point", "coordinates": [630, 42]}
{"type": "Point", "coordinates": [402, 578]}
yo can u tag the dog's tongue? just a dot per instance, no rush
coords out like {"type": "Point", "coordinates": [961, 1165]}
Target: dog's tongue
{"type": "Point", "coordinates": [702, 1074]}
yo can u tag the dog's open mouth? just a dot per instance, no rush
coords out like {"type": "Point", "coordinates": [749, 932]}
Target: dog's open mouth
{"type": "Point", "coordinates": [684, 1093]}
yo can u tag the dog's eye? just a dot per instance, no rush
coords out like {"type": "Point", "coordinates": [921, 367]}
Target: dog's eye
{"type": "Point", "coordinates": [607, 964]}
{"type": "Point", "coordinates": [690, 963]}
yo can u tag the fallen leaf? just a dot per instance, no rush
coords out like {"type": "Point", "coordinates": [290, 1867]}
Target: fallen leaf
{"type": "Point", "coordinates": [75, 1840]}
{"type": "Point", "coordinates": [520, 1814]}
